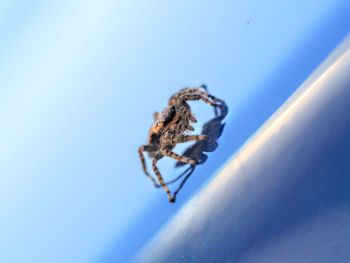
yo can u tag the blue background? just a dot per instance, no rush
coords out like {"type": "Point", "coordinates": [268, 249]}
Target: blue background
{"type": "Point", "coordinates": [79, 81]}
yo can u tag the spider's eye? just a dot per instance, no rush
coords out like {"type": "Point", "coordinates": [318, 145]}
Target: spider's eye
{"type": "Point", "coordinates": [169, 115]}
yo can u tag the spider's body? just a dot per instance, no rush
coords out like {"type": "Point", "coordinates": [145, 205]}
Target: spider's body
{"type": "Point", "coordinates": [168, 129]}
{"type": "Point", "coordinates": [168, 125]}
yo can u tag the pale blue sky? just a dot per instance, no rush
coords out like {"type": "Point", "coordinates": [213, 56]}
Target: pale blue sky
{"type": "Point", "coordinates": [79, 81]}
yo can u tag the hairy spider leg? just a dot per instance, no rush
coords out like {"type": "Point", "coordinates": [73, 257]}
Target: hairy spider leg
{"type": "Point", "coordinates": [173, 99]}
{"type": "Point", "coordinates": [202, 90]}
{"type": "Point", "coordinates": [203, 98]}
{"type": "Point", "coordinates": [176, 98]}
{"type": "Point", "coordinates": [181, 138]}
{"type": "Point", "coordinates": [192, 118]}
{"type": "Point", "coordinates": [146, 148]}
{"type": "Point", "coordinates": [161, 181]}
{"type": "Point", "coordinates": [215, 99]}
{"type": "Point", "coordinates": [187, 117]}
{"type": "Point", "coordinates": [205, 93]}
{"type": "Point", "coordinates": [186, 138]}
{"type": "Point", "coordinates": [190, 128]}
{"type": "Point", "coordinates": [180, 158]}
{"type": "Point", "coordinates": [203, 86]}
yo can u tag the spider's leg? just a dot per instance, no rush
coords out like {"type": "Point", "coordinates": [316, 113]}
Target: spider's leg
{"type": "Point", "coordinates": [161, 181]}
{"type": "Point", "coordinates": [204, 91]}
{"type": "Point", "coordinates": [180, 158]}
{"type": "Point", "coordinates": [146, 148]}
{"type": "Point", "coordinates": [186, 138]}
{"type": "Point", "coordinates": [223, 106]}
{"type": "Point", "coordinates": [187, 90]}
{"type": "Point", "coordinates": [201, 90]}
{"type": "Point", "coordinates": [190, 128]}
{"type": "Point", "coordinates": [215, 99]}
{"type": "Point", "coordinates": [202, 97]}
{"type": "Point", "coordinates": [192, 118]}
{"type": "Point", "coordinates": [203, 86]}
{"type": "Point", "coordinates": [186, 111]}
{"type": "Point", "coordinates": [172, 100]}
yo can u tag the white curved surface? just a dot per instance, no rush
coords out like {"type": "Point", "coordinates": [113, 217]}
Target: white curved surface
{"type": "Point", "coordinates": [284, 196]}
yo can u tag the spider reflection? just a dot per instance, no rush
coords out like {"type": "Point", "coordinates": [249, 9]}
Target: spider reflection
{"type": "Point", "coordinates": [213, 130]}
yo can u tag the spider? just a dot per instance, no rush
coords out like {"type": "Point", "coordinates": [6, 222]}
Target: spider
{"type": "Point", "coordinates": [168, 130]}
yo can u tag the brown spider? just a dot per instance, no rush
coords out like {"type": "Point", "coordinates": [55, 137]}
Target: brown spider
{"type": "Point", "coordinates": [168, 130]}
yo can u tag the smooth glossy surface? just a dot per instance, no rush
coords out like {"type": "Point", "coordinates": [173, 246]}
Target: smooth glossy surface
{"type": "Point", "coordinates": [285, 196]}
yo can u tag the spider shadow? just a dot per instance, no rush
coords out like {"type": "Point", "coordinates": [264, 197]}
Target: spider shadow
{"type": "Point", "coordinates": [213, 129]}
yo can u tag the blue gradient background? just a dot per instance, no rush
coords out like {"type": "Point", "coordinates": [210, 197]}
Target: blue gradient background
{"type": "Point", "coordinates": [79, 81]}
